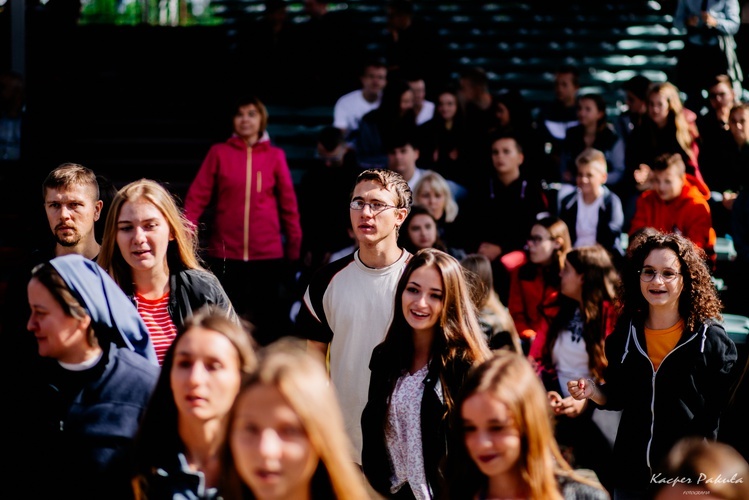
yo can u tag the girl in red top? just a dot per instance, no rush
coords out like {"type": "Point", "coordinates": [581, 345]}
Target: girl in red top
{"type": "Point", "coordinates": [534, 286]}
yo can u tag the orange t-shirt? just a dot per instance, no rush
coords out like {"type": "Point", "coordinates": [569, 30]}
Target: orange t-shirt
{"type": "Point", "coordinates": [661, 342]}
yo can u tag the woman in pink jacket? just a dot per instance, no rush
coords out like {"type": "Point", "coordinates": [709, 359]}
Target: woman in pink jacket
{"type": "Point", "coordinates": [255, 234]}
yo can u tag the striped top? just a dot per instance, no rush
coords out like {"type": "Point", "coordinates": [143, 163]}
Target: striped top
{"type": "Point", "coordinates": [160, 325]}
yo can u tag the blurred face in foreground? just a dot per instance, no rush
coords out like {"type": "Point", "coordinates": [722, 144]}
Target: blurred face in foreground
{"type": "Point", "coordinates": [271, 450]}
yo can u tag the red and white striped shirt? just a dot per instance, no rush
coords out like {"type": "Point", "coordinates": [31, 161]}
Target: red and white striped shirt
{"type": "Point", "coordinates": [160, 325]}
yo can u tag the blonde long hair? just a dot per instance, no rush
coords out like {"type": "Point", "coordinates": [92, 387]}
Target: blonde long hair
{"type": "Point", "coordinates": [684, 131]}
{"type": "Point", "coordinates": [182, 252]}
{"type": "Point", "coordinates": [301, 379]}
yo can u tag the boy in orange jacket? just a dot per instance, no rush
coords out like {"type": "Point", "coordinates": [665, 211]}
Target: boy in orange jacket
{"type": "Point", "coordinates": [677, 203]}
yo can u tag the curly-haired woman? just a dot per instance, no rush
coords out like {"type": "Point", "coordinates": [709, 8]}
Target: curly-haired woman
{"type": "Point", "coordinates": [669, 362]}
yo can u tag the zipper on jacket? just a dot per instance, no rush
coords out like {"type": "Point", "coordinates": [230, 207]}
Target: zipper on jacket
{"type": "Point", "coordinates": [247, 197]}
{"type": "Point", "coordinates": [652, 383]}
{"type": "Point", "coordinates": [259, 181]}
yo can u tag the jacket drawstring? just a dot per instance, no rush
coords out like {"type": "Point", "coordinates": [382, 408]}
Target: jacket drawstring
{"type": "Point", "coordinates": [704, 338]}
{"type": "Point", "coordinates": [626, 346]}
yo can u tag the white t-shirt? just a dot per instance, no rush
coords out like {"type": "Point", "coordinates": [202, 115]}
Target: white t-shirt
{"type": "Point", "coordinates": [358, 306]}
{"type": "Point", "coordinates": [350, 108]}
{"type": "Point", "coordinates": [426, 113]}
{"type": "Point", "coordinates": [586, 225]}
{"type": "Point", "coordinates": [569, 355]}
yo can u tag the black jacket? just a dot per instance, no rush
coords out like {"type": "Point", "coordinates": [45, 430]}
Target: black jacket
{"type": "Point", "coordinates": [190, 289]}
{"type": "Point", "coordinates": [684, 397]}
{"type": "Point", "coordinates": [434, 421]}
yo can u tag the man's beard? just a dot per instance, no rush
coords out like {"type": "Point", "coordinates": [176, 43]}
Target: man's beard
{"type": "Point", "coordinates": [68, 242]}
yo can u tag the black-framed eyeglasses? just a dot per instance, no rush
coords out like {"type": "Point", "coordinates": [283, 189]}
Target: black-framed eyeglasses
{"type": "Point", "coordinates": [535, 239]}
{"type": "Point", "coordinates": [667, 275]}
{"type": "Point", "coordinates": [376, 206]}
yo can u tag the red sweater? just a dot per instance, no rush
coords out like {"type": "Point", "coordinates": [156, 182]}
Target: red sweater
{"type": "Point", "coordinates": [688, 214]}
{"type": "Point", "coordinates": [527, 300]}
{"type": "Point", "coordinates": [256, 214]}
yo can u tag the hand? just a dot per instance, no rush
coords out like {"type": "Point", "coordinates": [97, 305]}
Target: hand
{"type": "Point", "coordinates": [642, 174]}
{"type": "Point", "coordinates": [692, 21]}
{"type": "Point", "coordinates": [581, 389]}
{"type": "Point", "coordinates": [728, 198]}
{"type": "Point", "coordinates": [709, 20]}
{"type": "Point", "coordinates": [570, 407]}
{"type": "Point", "coordinates": [490, 250]}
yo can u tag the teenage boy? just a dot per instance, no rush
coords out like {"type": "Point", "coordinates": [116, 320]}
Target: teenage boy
{"type": "Point", "coordinates": [593, 213]}
{"type": "Point", "coordinates": [676, 203]}
{"type": "Point", "coordinates": [348, 305]}
{"type": "Point", "coordinates": [350, 108]}
{"type": "Point", "coordinates": [504, 209]}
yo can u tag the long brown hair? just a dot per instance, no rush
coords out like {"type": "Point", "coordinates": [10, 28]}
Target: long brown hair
{"type": "Point", "coordinates": [458, 335]}
{"type": "Point", "coordinates": [598, 287]}
{"type": "Point", "coordinates": [684, 131]}
{"type": "Point", "coordinates": [510, 378]}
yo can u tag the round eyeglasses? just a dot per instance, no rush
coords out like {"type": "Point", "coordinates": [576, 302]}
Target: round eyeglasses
{"type": "Point", "coordinates": [667, 275]}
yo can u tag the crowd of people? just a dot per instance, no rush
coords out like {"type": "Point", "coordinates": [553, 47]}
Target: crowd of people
{"type": "Point", "coordinates": [443, 307]}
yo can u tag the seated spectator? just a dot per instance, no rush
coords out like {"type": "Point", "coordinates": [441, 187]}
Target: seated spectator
{"type": "Point", "coordinates": [677, 203]}
{"type": "Point", "coordinates": [394, 117]}
{"type": "Point", "coordinates": [738, 124]}
{"type": "Point", "coordinates": [443, 140]}
{"type": "Point", "coordinates": [402, 156]}
{"type": "Point", "coordinates": [419, 230]}
{"type": "Point", "coordinates": [737, 279]}
{"type": "Point", "coordinates": [350, 108]}
{"type": "Point", "coordinates": [508, 199]}
{"type": "Point", "coordinates": [494, 317]}
{"type": "Point", "coordinates": [478, 103]}
{"type": "Point", "coordinates": [635, 92]}
{"type": "Point", "coordinates": [593, 213]}
{"type": "Point", "coordinates": [668, 128]}
{"type": "Point", "coordinates": [709, 47]}
{"type": "Point", "coordinates": [553, 119]}
{"type": "Point", "coordinates": [423, 109]}
{"type": "Point", "coordinates": [534, 285]}
{"type": "Point", "coordinates": [514, 116]}
{"type": "Point", "coordinates": [593, 131]}
{"type": "Point", "coordinates": [435, 194]}
{"type": "Point", "coordinates": [716, 150]}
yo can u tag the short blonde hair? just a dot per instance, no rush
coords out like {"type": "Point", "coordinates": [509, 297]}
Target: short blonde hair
{"type": "Point", "coordinates": [438, 184]}
{"type": "Point", "coordinates": [592, 156]}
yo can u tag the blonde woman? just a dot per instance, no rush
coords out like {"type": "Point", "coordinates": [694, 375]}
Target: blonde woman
{"type": "Point", "coordinates": [285, 436]}
{"type": "Point", "coordinates": [667, 128]}
{"type": "Point", "coordinates": [433, 193]}
{"type": "Point", "coordinates": [150, 250]}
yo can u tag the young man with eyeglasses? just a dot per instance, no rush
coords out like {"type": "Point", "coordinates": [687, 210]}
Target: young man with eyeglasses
{"type": "Point", "coordinates": [677, 203]}
{"type": "Point", "coordinates": [348, 304]}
